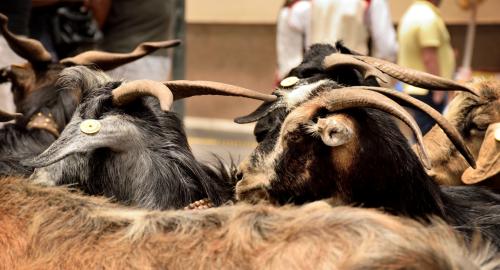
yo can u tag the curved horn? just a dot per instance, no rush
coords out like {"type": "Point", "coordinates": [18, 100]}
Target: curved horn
{"type": "Point", "coordinates": [29, 49]}
{"type": "Point", "coordinates": [335, 60]}
{"type": "Point", "coordinates": [346, 98]}
{"type": "Point", "coordinates": [128, 92]}
{"type": "Point", "coordinates": [5, 116]}
{"type": "Point", "coordinates": [450, 131]}
{"type": "Point", "coordinates": [108, 61]}
{"type": "Point", "coordinates": [183, 88]}
{"type": "Point", "coordinates": [378, 68]}
{"type": "Point", "coordinates": [167, 92]}
{"type": "Point", "coordinates": [415, 77]}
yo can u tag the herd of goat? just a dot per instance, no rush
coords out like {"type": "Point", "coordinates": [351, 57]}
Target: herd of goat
{"type": "Point", "coordinates": [95, 172]}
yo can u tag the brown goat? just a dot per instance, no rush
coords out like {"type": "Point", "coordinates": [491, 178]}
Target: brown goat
{"type": "Point", "coordinates": [471, 115]}
{"type": "Point", "coordinates": [54, 228]}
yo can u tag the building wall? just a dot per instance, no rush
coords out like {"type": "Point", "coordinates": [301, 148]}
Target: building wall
{"type": "Point", "coordinates": [265, 11]}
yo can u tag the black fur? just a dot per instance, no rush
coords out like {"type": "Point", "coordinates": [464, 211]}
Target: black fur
{"type": "Point", "coordinates": [156, 169]}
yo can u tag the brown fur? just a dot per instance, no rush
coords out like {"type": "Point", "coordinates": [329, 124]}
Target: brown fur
{"type": "Point", "coordinates": [465, 112]}
{"type": "Point", "coordinates": [53, 228]}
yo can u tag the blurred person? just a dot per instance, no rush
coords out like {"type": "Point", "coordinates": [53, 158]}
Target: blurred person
{"type": "Point", "coordinates": [18, 12]}
{"type": "Point", "coordinates": [358, 23]}
{"type": "Point", "coordinates": [292, 34]}
{"type": "Point", "coordinates": [65, 28]}
{"type": "Point", "coordinates": [127, 23]}
{"type": "Point", "coordinates": [424, 44]}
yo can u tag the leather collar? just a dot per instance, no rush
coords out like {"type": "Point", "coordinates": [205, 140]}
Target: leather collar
{"type": "Point", "coordinates": [44, 122]}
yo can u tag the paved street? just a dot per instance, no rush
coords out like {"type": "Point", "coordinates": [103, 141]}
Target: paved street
{"type": "Point", "coordinates": [209, 137]}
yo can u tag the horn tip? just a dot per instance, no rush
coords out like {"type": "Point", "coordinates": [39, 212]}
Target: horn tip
{"type": "Point", "coordinates": [238, 121]}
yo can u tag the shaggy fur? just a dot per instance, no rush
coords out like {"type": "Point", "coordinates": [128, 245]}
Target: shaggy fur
{"type": "Point", "coordinates": [471, 116]}
{"type": "Point", "coordinates": [140, 156]}
{"type": "Point", "coordinates": [292, 165]}
{"type": "Point", "coordinates": [51, 228]}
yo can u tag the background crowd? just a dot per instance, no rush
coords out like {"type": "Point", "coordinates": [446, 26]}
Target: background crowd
{"type": "Point", "coordinates": [422, 41]}
{"type": "Point", "coordinates": [65, 27]}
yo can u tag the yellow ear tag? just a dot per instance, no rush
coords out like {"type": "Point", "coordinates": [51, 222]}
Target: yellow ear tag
{"type": "Point", "coordinates": [497, 134]}
{"type": "Point", "coordinates": [290, 81]}
{"type": "Point", "coordinates": [90, 126]}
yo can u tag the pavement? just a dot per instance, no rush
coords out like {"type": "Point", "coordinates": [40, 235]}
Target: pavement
{"type": "Point", "coordinates": [221, 137]}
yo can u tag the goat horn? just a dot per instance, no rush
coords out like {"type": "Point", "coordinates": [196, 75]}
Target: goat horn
{"type": "Point", "coordinates": [108, 61]}
{"type": "Point", "coordinates": [167, 92]}
{"type": "Point", "coordinates": [183, 88]}
{"type": "Point", "coordinates": [5, 116]}
{"type": "Point", "coordinates": [346, 98]}
{"type": "Point", "coordinates": [335, 60]}
{"type": "Point", "coordinates": [29, 49]}
{"type": "Point", "coordinates": [130, 91]}
{"type": "Point", "coordinates": [379, 68]}
{"type": "Point", "coordinates": [443, 123]}
{"type": "Point", "coordinates": [415, 77]}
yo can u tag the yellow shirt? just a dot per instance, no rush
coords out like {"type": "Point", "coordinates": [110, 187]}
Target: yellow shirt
{"type": "Point", "coordinates": [422, 26]}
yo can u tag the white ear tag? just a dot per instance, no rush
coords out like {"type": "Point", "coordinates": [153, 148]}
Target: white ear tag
{"type": "Point", "coordinates": [290, 81]}
{"type": "Point", "coordinates": [90, 126]}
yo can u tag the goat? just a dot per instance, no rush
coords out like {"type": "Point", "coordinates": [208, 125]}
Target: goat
{"type": "Point", "coordinates": [339, 143]}
{"type": "Point", "coordinates": [471, 115]}
{"type": "Point", "coordinates": [132, 148]}
{"type": "Point", "coordinates": [448, 165]}
{"type": "Point", "coordinates": [53, 228]}
{"type": "Point", "coordinates": [46, 110]}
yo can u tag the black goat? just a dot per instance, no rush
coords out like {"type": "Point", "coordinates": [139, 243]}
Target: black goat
{"type": "Point", "coordinates": [122, 145]}
{"type": "Point", "coordinates": [338, 143]}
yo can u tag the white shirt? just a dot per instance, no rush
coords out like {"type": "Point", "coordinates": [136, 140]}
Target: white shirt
{"type": "Point", "coordinates": [353, 22]}
{"type": "Point", "coordinates": [293, 29]}
{"type": "Point", "coordinates": [384, 42]}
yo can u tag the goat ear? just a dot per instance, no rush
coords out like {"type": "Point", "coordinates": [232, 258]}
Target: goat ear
{"type": "Point", "coordinates": [83, 136]}
{"type": "Point", "coordinates": [488, 163]}
{"type": "Point", "coordinates": [334, 130]}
